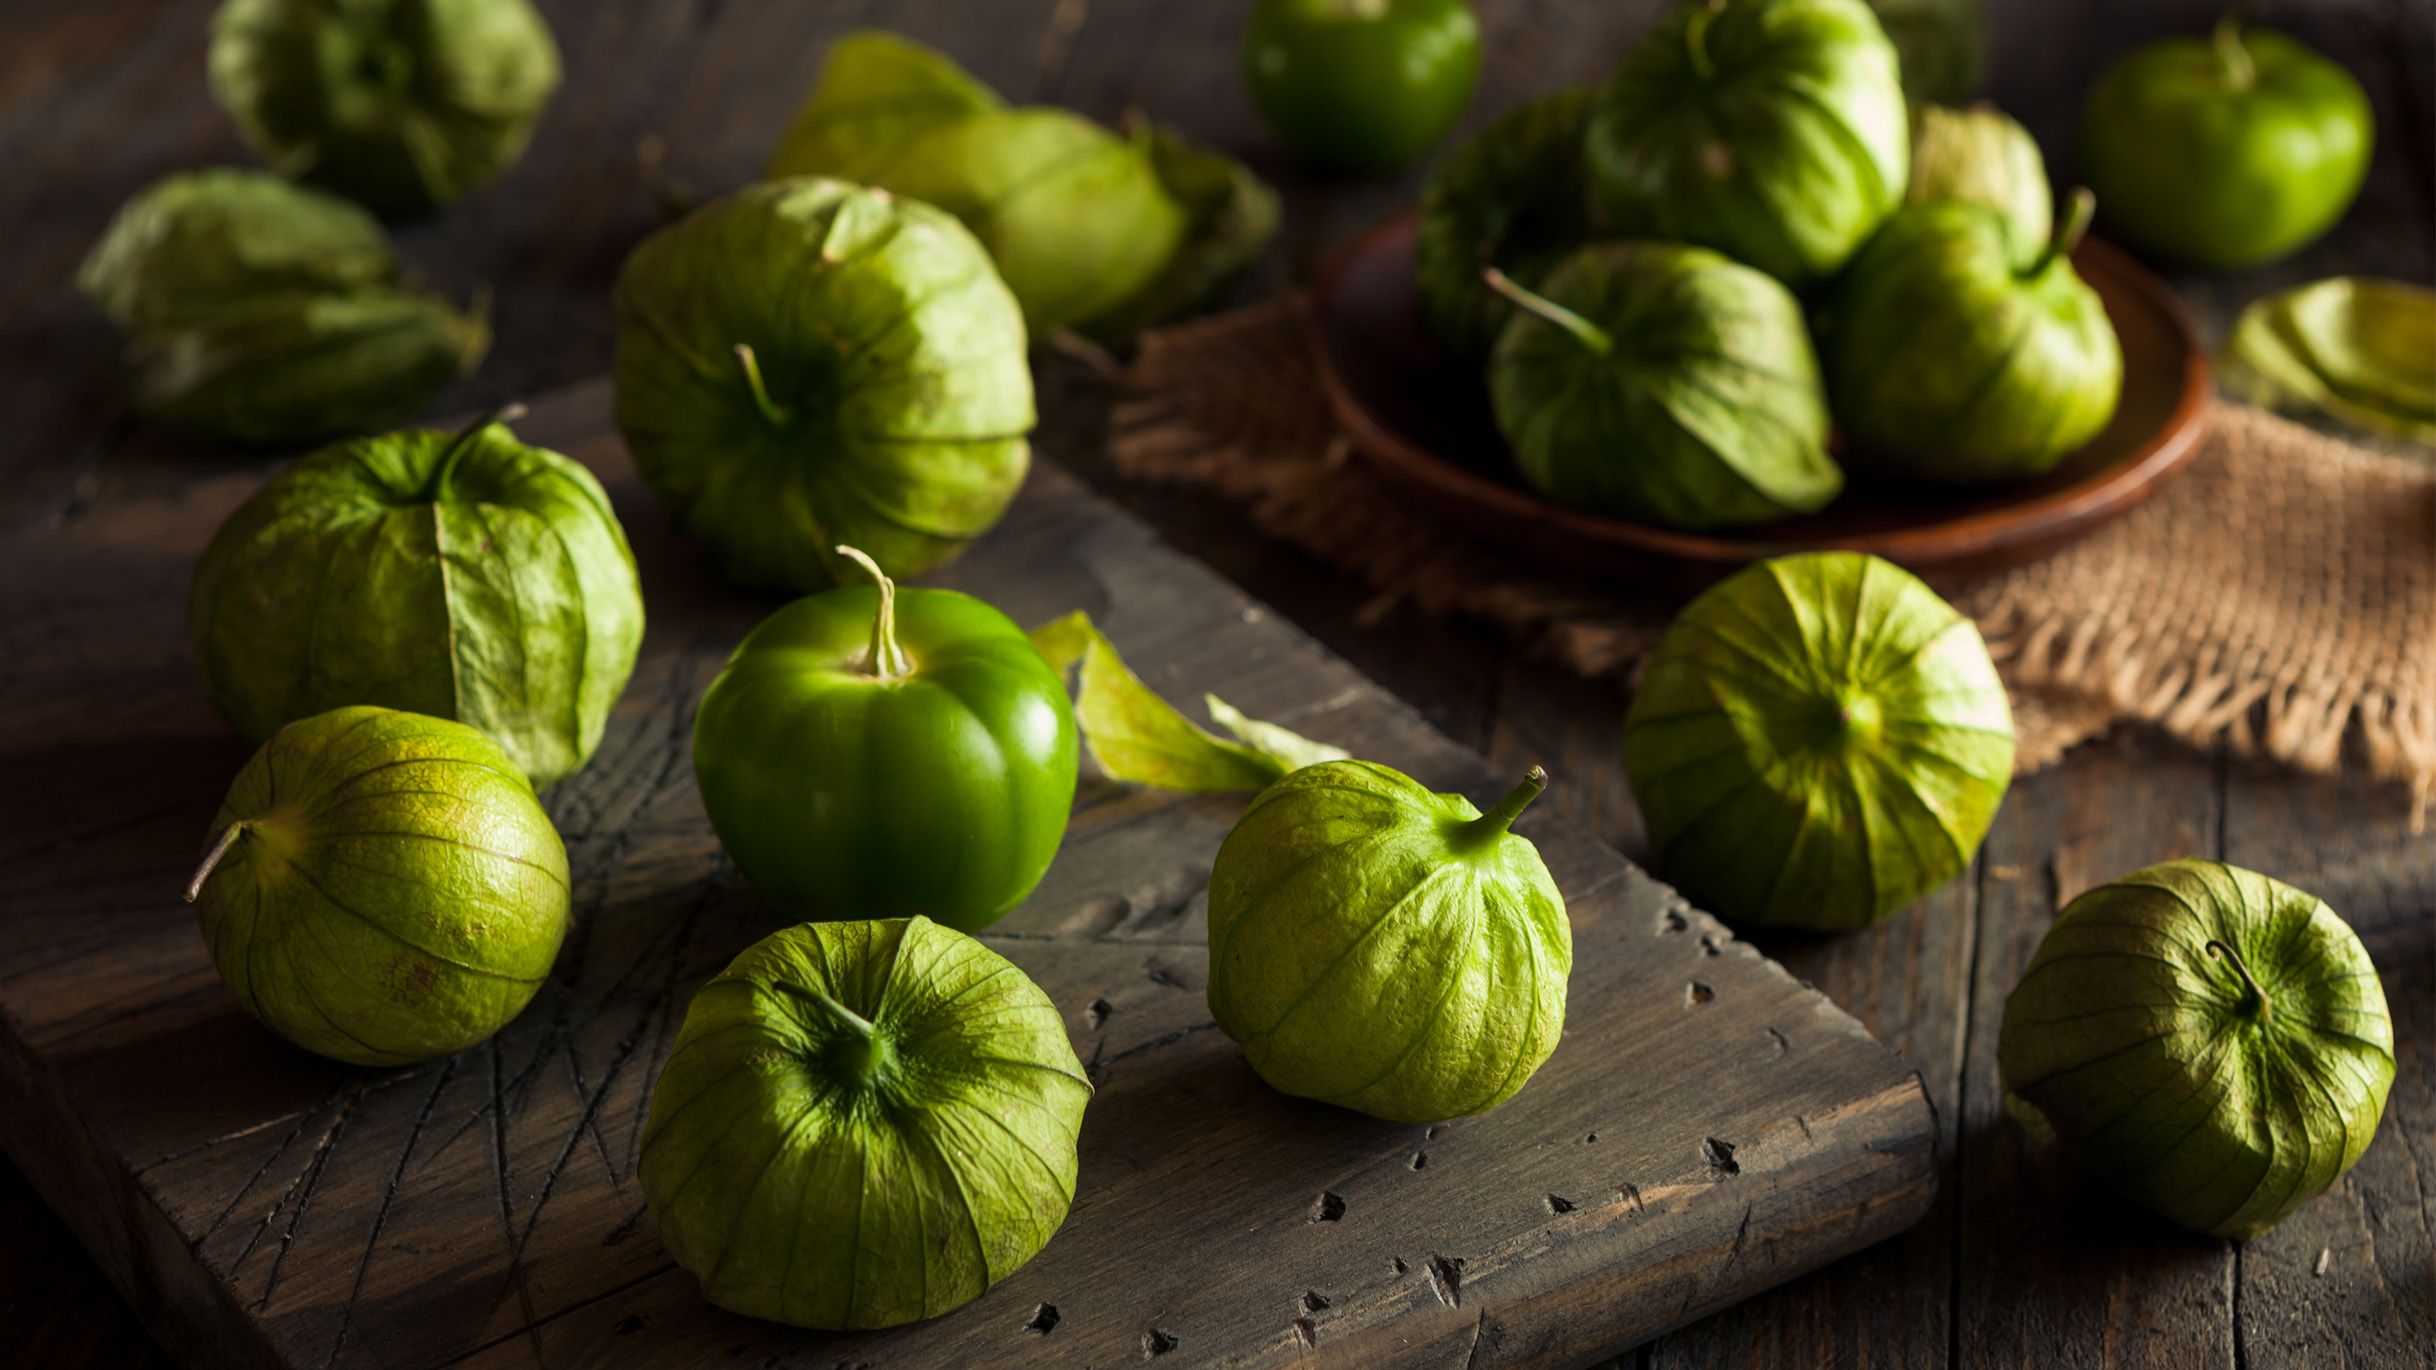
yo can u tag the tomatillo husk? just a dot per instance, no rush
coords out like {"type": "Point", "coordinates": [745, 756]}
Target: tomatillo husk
{"type": "Point", "coordinates": [863, 1124]}
{"type": "Point", "coordinates": [1818, 741]}
{"type": "Point", "coordinates": [1384, 948]}
{"type": "Point", "coordinates": [1511, 196]}
{"type": "Point", "coordinates": [2209, 1042]}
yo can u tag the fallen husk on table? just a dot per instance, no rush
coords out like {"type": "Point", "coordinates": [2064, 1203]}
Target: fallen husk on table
{"type": "Point", "coordinates": [2356, 348]}
{"type": "Point", "coordinates": [1137, 736]}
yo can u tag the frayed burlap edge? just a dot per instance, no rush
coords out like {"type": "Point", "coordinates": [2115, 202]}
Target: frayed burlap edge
{"type": "Point", "coordinates": [2279, 598]}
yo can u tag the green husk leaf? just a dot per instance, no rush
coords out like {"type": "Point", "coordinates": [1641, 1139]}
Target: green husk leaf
{"type": "Point", "coordinates": [1230, 215]}
{"type": "Point", "coordinates": [879, 94]}
{"type": "Point", "coordinates": [1138, 737]}
{"type": "Point", "coordinates": [2356, 348]}
{"type": "Point", "coordinates": [1979, 153]}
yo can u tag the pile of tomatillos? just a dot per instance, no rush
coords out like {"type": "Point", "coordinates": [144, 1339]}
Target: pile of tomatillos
{"type": "Point", "coordinates": [824, 378]}
{"type": "Point", "coordinates": [1679, 281]}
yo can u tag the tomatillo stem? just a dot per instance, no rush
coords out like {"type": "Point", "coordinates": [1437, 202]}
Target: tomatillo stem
{"type": "Point", "coordinates": [2233, 64]}
{"type": "Point", "coordinates": [770, 408]}
{"type": "Point", "coordinates": [211, 859]}
{"type": "Point", "coordinates": [1696, 38]}
{"type": "Point", "coordinates": [1592, 336]}
{"type": "Point", "coordinates": [2079, 206]}
{"type": "Point", "coordinates": [1496, 821]}
{"type": "Point", "coordinates": [436, 489]}
{"type": "Point", "coordinates": [888, 660]}
{"type": "Point", "coordinates": [2250, 985]}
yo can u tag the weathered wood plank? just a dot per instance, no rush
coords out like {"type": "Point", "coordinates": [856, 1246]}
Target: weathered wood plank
{"type": "Point", "coordinates": [2050, 1268]}
{"type": "Point", "coordinates": [1708, 1126]}
{"type": "Point", "coordinates": [2350, 1279]}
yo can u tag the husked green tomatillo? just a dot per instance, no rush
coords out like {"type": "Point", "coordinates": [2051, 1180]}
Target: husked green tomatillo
{"type": "Point", "coordinates": [1958, 354]}
{"type": "Point", "coordinates": [466, 576]}
{"type": "Point", "coordinates": [382, 887]}
{"type": "Point", "coordinates": [1387, 949]}
{"type": "Point", "coordinates": [808, 363]}
{"type": "Point", "coordinates": [269, 313]}
{"type": "Point", "coordinates": [863, 1124]}
{"type": "Point", "coordinates": [402, 105]}
{"type": "Point", "coordinates": [2209, 1042]}
{"type": "Point", "coordinates": [1770, 130]}
{"type": "Point", "coordinates": [1663, 383]}
{"type": "Point", "coordinates": [1818, 741]}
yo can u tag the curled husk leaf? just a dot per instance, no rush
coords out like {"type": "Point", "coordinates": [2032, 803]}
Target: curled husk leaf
{"type": "Point", "coordinates": [1957, 354]}
{"type": "Point", "coordinates": [2356, 348]}
{"type": "Point", "coordinates": [1818, 741]}
{"type": "Point", "coordinates": [1693, 402]}
{"type": "Point", "coordinates": [1770, 130]}
{"type": "Point", "coordinates": [466, 576]}
{"type": "Point", "coordinates": [1384, 948]}
{"type": "Point", "coordinates": [1980, 154]}
{"type": "Point", "coordinates": [401, 105]}
{"type": "Point", "coordinates": [2209, 1042]}
{"type": "Point", "coordinates": [264, 312]}
{"type": "Point", "coordinates": [388, 890]}
{"type": "Point", "coordinates": [881, 400]}
{"type": "Point", "coordinates": [1092, 229]}
{"type": "Point", "coordinates": [1511, 197]}
{"type": "Point", "coordinates": [863, 1124]}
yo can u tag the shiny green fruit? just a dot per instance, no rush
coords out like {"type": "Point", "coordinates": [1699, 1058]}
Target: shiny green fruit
{"type": "Point", "coordinates": [862, 1124]}
{"type": "Point", "coordinates": [1664, 383]}
{"type": "Point", "coordinates": [807, 363]}
{"type": "Point", "coordinates": [1361, 85]}
{"type": "Point", "coordinates": [2226, 153]}
{"type": "Point", "coordinates": [466, 576]}
{"type": "Point", "coordinates": [1387, 949]}
{"type": "Point", "coordinates": [1818, 741]}
{"type": "Point", "coordinates": [382, 887]}
{"type": "Point", "coordinates": [883, 753]}
{"type": "Point", "coordinates": [1770, 130]}
{"type": "Point", "coordinates": [402, 105]}
{"type": "Point", "coordinates": [1958, 354]}
{"type": "Point", "coordinates": [1510, 197]}
{"type": "Point", "coordinates": [2209, 1042]}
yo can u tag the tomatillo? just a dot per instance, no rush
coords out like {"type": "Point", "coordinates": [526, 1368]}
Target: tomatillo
{"type": "Point", "coordinates": [1362, 85]}
{"type": "Point", "coordinates": [879, 753]}
{"type": "Point", "coordinates": [2229, 152]}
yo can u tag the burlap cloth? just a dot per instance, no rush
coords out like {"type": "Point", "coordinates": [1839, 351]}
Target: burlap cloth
{"type": "Point", "coordinates": [2277, 596]}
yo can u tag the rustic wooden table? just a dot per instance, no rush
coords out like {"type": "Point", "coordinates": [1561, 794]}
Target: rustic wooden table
{"type": "Point", "coordinates": [2017, 1262]}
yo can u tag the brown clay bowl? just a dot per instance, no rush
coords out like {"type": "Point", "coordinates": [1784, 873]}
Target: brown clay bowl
{"type": "Point", "coordinates": [1421, 418]}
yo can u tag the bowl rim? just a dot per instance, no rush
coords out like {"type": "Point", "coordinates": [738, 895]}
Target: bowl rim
{"type": "Point", "coordinates": [2029, 524]}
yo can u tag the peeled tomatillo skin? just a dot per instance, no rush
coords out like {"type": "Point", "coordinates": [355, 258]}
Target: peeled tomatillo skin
{"type": "Point", "coordinates": [463, 575]}
{"type": "Point", "coordinates": [383, 888]}
{"type": "Point", "coordinates": [1770, 130]}
{"type": "Point", "coordinates": [1663, 383]}
{"type": "Point", "coordinates": [2226, 152]}
{"type": "Point", "coordinates": [805, 363]}
{"type": "Point", "coordinates": [2209, 1042]}
{"type": "Point", "coordinates": [862, 1124]}
{"type": "Point", "coordinates": [1818, 741]}
{"type": "Point", "coordinates": [1387, 949]}
{"type": "Point", "coordinates": [1957, 353]}
{"type": "Point", "coordinates": [934, 778]}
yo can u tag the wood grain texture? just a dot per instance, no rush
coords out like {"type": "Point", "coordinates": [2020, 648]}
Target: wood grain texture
{"type": "Point", "coordinates": [1707, 1127]}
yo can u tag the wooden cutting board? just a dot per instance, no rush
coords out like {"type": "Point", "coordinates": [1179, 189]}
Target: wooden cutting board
{"type": "Point", "coordinates": [1707, 1127]}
